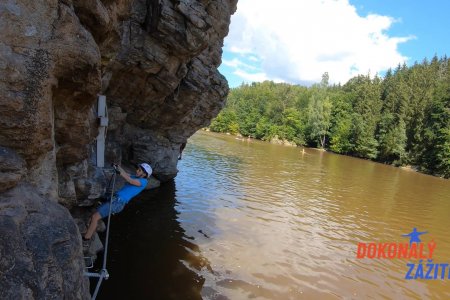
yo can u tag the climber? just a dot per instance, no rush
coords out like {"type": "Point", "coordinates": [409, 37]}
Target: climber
{"type": "Point", "coordinates": [133, 186]}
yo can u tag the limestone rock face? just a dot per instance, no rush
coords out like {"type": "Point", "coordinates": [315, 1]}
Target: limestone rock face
{"type": "Point", "coordinates": [40, 249]}
{"type": "Point", "coordinates": [12, 168]}
{"type": "Point", "coordinates": [155, 60]}
{"type": "Point", "coordinates": [164, 79]}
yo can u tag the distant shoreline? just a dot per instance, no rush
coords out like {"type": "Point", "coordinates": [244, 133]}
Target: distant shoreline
{"type": "Point", "coordinates": [408, 168]}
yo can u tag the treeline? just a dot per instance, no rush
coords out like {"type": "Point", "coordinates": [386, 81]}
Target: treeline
{"type": "Point", "coordinates": [403, 119]}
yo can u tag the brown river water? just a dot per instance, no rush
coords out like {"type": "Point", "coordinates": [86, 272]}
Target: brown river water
{"type": "Point", "coordinates": [252, 220]}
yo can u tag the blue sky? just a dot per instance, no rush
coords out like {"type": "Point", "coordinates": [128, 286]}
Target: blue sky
{"type": "Point", "coordinates": [296, 41]}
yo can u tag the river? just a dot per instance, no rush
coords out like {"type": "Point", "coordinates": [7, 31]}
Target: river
{"type": "Point", "coordinates": [251, 220]}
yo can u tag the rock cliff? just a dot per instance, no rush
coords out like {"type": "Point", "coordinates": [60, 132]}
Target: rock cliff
{"type": "Point", "coordinates": [155, 60]}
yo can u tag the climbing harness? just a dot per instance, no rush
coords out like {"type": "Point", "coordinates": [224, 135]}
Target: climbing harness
{"type": "Point", "coordinates": [103, 273]}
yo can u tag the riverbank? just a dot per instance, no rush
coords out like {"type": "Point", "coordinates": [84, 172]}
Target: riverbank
{"type": "Point", "coordinates": [278, 141]}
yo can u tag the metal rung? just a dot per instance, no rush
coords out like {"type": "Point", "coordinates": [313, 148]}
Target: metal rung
{"type": "Point", "coordinates": [90, 274]}
{"type": "Point", "coordinates": [102, 274]}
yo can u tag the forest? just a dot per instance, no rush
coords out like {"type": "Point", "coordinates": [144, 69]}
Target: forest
{"type": "Point", "coordinates": [402, 118]}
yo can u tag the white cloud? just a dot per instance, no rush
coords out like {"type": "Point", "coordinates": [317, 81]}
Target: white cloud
{"type": "Point", "coordinates": [251, 77]}
{"type": "Point", "coordinates": [236, 63]}
{"type": "Point", "coordinates": [298, 40]}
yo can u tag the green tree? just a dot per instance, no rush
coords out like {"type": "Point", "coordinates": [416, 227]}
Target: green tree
{"type": "Point", "coordinates": [292, 126]}
{"type": "Point", "coordinates": [391, 133]}
{"type": "Point", "coordinates": [319, 113]}
{"type": "Point", "coordinates": [392, 139]}
{"type": "Point", "coordinates": [436, 138]}
{"type": "Point", "coordinates": [226, 121]}
{"type": "Point", "coordinates": [365, 97]}
{"type": "Point", "coordinates": [263, 129]}
{"type": "Point", "coordinates": [341, 124]}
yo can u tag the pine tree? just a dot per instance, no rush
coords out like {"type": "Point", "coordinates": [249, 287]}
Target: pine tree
{"type": "Point", "coordinates": [365, 96]}
{"type": "Point", "coordinates": [435, 158]}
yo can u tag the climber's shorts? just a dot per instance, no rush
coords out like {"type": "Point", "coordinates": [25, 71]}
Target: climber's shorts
{"type": "Point", "coordinates": [116, 207]}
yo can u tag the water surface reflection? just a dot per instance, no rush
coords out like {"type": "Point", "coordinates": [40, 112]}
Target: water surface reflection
{"type": "Point", "coordinates": [151, 257]}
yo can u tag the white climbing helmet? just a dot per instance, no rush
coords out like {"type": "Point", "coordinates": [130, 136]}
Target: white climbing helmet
{"type": "Point", "coordinates": [147, 169]}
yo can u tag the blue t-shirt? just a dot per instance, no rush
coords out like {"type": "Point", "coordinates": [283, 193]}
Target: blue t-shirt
{"type": "Point", "coordinates": [128, 191]}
